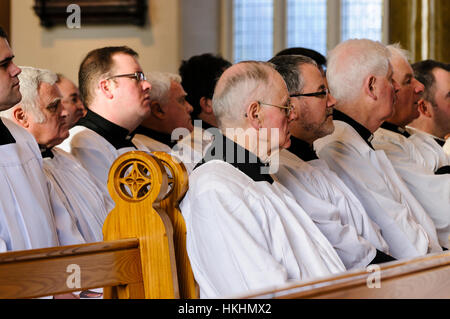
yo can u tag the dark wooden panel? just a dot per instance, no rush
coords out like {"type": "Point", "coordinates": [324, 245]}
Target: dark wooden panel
{"type": "Point", "coordinates": [53, 12]}
{"type": "Point", "coordinates": [5, 15]}
{"type": "Point", "coordinates": [46, 272]}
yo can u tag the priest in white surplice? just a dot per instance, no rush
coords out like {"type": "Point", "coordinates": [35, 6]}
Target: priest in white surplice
{"type": "Point", "coordinates": [169, 120]}
{"type": "Point", "coordinates": [359, 75]}
{"type": "Point", "coordinates": [431, 129]}
{"type": "Point", "coordinates": [45, 117]}
{"type": "Point", "coordinates": [246, 231]}
{"type": "Point", "coordinates": [331, 205]}
{"type": "Point", "coordinates": [430, 189]}
{"type": "Point", "coordinates": [30, 215]}
{"type": "Point", "coordinates": [115, 91]}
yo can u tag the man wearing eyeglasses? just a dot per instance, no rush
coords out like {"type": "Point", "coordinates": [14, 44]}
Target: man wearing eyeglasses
{"type": "Point", "coordinates": [245, 231]}
{"type": "Point", "coordinates": [332, 206]}
{"type": "Point", "coordinates": [115, 91]}
{"type": "Point", "coordinates": [360, 77]}
{"type": "Point", "coordinates": [416, 169]}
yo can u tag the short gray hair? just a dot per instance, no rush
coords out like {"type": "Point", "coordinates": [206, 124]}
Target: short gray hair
{"type": "Point", "coordinates": [161, 82]}
{"type": "Point", "coordinates": [239, 84]}
{"type": "Point", "coordinates": [288, 67]}
{"type": "Point", "coordinates": [351, 62]}
{"type": "Point", "coordinates": [30, 79]}
{"type": "Point", "coordinates": [396, 48]}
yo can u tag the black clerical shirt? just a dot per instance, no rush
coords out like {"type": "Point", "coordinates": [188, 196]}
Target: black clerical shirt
{"type": "Point", "coordinates": [118, 136]}
{"type": "Point", "coordinates": [5, 135]}
{"type": "Point", "coordinates": [395, 128]}
{"type": "Point", "coordinates": [366, 135]}
{"type": "Point", "coordinates": [302, 149]}
{"type": "Point", "coordinates": [234, 154]}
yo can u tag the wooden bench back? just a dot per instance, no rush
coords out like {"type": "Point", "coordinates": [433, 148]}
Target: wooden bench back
{"type": "Point", "coordinates": [423, 277]}
{"type": "Point", "coordinates": [178, 184]}
{"type": "Point", "coordinates": [137, 258]}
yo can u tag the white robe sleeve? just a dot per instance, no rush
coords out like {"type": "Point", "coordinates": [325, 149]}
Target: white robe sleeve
{"type": "Point", "coordinates": [232, 253]}
{"type": "Point", "coordinates": [405, 237]}
{"type": "Point", "coordinates": [431, 191]}
{"type": "Point", "coordinates": [446, 147]}
{"type": "Point", "coordinates": [66, 228]}
{"type": "Point", "coordinates": [2, 246]}
{"type": "Point", "coordinates": [354, 250]}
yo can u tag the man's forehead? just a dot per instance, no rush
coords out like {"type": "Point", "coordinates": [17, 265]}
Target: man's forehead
{"type": "Point", "coordinates": [5, 50]}
{"type": "Point", "coordinates": [49, 91]}
{"type": "Point", "coordinates": [125, 61]}
{"type": "Point", "coordinates": [312, 76]}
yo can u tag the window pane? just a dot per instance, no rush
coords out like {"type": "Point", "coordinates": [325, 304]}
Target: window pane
{"type": "Point", "coordinates": [307, 24]}
{"type": "Point", "coordinates": [362, 19]}
{"type": "Point", "coordinates": [253, 30]}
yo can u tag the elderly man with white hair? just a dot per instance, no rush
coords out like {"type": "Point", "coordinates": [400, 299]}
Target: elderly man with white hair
{"type": "Point", "coordinates": [245, 231]}
{"type": "Point", "coordinates": [41, 112]}
{"type": "Point", "coordinates": [360, 77]}
{"type": "Point", "coordinates": [418, 171]}
{"type": "Point", "coordinates": [30, 215]}
{"type": "Point", "coordinates": [169, 111]}
{"type": "Point", "coordinates": [169, 121]}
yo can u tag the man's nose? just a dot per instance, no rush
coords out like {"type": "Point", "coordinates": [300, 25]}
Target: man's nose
{"type": "Point", "coordinates": [14, 70]}
{"type": "Point", "coordinates": [419, 87]}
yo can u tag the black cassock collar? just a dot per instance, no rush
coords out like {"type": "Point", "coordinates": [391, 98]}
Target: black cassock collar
{"type": "Point", "coordinates": [234, 154]}
{"type": "Point", "coordinates": [366, 135]}
{"type": "Point", "coordinates": [396, 129]}
{"type": "Point", "coordinates": [118, 136]}
{"type": "Point", "coordinates": [302, 149]}
{"type": "Point", "coordinates": [46, 152]}
{"type": "Point", "coordinates": [5, 135]}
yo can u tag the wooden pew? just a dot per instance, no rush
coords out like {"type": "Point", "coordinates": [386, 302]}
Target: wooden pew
{"type": "Point", "coordinates": [423, 277]}
{"type": "Point", "coordinates": [137, 258]}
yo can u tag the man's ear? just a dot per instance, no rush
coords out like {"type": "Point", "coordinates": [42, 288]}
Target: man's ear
{"type": "Point", "coordinates": [206, 105]}
{"type": "Point", "coordinates": [424, 108]}
{"type": "Point", "coordinates": [105, 87]}
{"type": "Point", "coordinates": [157, 111]}
{"type": "Point", "coordinates": [21, 117]}
{"type": "Point", "coordinates": [369, 87]}
{"type": "Point", "coordinates": [253, 115]}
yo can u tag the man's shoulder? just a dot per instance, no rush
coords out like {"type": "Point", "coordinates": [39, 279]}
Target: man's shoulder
{"type": "Point", "coordinates": [87, 138]}
{"type": "Point", "coordinates": [344, 141]}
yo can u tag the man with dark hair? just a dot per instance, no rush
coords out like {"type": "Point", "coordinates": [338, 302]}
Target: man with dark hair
{"type": "Point", "coordinates": [433, 124]}
{"type": "Point", "coordinates": [30, 215]}
{"type": "Point", "coordinates": [316, 56]}
{"type": "Point", "coordinates": [331, 205]}
{"type": "Point", "coordinates": [199, 75]}
{"type": "Point", "coordinates": [116, 93]}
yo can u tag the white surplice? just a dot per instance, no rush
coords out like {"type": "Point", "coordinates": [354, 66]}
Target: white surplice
{"type": "Point", "coordinates": [431, 191]}
{"type": "Point", "coordinates": [432, 152]}
{"type": "Point", "coordinates": [95, 153]}
{"type": "Point", "coordinates": [82, 194]}
{"type": "Point", "coordinates": [190, 149]}
{"type": "Point", "coordinates": [446, 147]}
{"type": "Point", "coordinates": [335, 210]}
{"type": "Point", "coordinates": [244, 235]}
{"type": "Point", "coordinates": [404, 224]}
{"type": "Point", "coordinates": [31, 216]}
